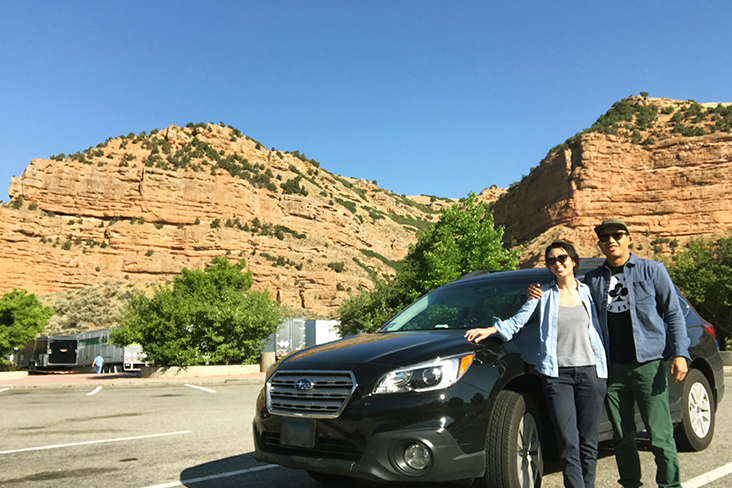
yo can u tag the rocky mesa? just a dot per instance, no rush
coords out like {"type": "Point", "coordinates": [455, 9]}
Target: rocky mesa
{"type": "Point", "coordinates": [141, 207]}
{"type": "Point", "coordinates": [664, 166]}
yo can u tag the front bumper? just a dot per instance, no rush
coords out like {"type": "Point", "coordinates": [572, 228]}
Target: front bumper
{"type": "Point", "coordinates": [382, 459]}
{"type": "Point", "coordinates": [369, 438]}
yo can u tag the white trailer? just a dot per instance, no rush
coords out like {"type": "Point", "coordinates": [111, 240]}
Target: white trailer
{"type": "Point", "coordinates": [321, 331]}
{"type": "Point", "coordinates": [76, 352]}
{"type": "Point", "coordinates": [116, 359]}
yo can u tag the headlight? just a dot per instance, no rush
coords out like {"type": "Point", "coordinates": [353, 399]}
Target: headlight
{"type": "Point", "coordinates": [432, 375]}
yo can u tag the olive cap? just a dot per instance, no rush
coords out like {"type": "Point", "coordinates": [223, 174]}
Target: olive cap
{"type": "Point", "coordinates": [611, 223]}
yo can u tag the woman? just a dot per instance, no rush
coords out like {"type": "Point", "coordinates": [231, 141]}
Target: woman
{"type": "Point", "coordinates": [572, 361]}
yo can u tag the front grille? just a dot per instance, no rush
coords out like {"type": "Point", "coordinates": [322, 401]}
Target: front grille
{"type": "Point", "coordinates": [324, 448]}
{"type": "Point", "coordinates": [321, 394]}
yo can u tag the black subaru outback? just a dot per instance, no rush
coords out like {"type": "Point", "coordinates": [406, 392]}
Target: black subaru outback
{"type": "Point", "coordinates": [416, 402]}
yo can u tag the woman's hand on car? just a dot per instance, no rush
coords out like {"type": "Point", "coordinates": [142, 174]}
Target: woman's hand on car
{"type": "Point", "coordinates": [534, 290]}
{"type": "Point", "coordinates": [477, 335]}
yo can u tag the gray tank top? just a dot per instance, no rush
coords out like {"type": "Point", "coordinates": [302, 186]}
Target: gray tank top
{"type": "Point", "coordinates": [573, 338]}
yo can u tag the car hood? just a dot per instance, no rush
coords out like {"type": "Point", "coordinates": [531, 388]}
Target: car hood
{"type": "Point", "coordinates": [379, 349]}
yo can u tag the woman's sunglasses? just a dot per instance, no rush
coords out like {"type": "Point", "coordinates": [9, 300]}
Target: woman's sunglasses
{"type": "Point", "coordinates": [562, 258]}
{"type": "Point", "coordinates": [615, 235]}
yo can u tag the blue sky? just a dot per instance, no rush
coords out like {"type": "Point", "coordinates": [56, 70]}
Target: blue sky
{"type": "Point", "coordinates": [426, 97]}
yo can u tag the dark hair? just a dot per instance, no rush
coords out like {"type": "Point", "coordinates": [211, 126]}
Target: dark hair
{"type": "Point", "coordinates": [567, 247]}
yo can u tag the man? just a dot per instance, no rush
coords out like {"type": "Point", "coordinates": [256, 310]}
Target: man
{"type": "Point", "coordinates": [98, 362]}
{"type": "Point", "coordinates": [637, 303]}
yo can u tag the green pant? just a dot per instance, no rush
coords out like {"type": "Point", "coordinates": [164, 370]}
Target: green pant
{"type": "Point", "coordinates": [646, 385]}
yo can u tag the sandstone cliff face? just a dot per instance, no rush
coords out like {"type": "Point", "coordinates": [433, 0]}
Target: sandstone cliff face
{"type": "Point", "coordinates": [130, 210]}
{"type": "Point", "coordinates": [679, 188]}
{"type": "Point", "coordinates": [676, 188]}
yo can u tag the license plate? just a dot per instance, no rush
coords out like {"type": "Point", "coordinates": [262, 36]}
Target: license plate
{"type": "Point", "coordinates": [298, 432]}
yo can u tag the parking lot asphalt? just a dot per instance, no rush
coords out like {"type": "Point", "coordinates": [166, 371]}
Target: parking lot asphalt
{"type": "Point", "coordinates": [73, 380]}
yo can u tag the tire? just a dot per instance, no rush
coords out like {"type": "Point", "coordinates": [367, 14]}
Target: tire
{"type": "Point", "coordinates": [514, 457]}
{"type": "Point", "coordinates": [331, 479]}
{"type": "Point", "coordinates": [696, 429]}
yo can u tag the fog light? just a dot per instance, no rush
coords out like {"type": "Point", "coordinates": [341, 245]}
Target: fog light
{"type": "Point", "coordinates": [417, 456]}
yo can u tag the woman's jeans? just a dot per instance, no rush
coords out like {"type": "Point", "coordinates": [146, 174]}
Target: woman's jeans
{"type": "Point", "coordinates": [575, 401]}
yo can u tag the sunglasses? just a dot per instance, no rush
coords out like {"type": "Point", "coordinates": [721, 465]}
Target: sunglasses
{"type": "Point", "coordinates": [562, 258]}
{"type": "Point", "coordinates": [615, 235]}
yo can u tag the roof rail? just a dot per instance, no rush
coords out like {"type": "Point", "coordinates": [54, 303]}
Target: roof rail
{"type": "Point", "coordinates": [584, 263]}
{"type": "Point", "coordinates": [478, 272]}
{"type": "Point", "coordinates": [590, 263]}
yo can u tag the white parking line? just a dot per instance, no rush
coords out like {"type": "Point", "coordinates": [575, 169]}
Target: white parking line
{"type": "Point", "coordinates": [213, 477]}
{"type": "Point", "coordinates": [4, 389]}
{"type": "Point", "coordinates": [94, 442]}
{"type": "Point", "coordinates": [201, 388]}
{"type": "Point", "coordinates": [707, 478]}
{"type": "Point", "coordinates": [97, 390]}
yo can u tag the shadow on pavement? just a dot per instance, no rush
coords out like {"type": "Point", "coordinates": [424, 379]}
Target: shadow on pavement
{"type": "Point", "coordinates": [233, 471]}
{"type": "Point", "coordinates": [114, 376]}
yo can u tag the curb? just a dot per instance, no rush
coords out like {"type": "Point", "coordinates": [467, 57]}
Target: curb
{"type": "Point", "coordinates": [726, 358]}
{"type": "Point", "coordinates": [13, 375]}
{"type": "Point", "coordinates": [92, 381]}
{"type": "Point", "coordinates": [47, 386]}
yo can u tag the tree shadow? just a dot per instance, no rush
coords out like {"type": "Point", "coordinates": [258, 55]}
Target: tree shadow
{"type": "Point", "coordinates": [114, 376]}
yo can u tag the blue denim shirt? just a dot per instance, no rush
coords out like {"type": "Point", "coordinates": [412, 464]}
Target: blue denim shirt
{"type": "Point", "coordinates": [548, 305]}
{"type": "Point", "coordinates": [655, 311]}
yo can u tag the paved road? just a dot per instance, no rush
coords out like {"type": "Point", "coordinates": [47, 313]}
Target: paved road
{"type": "Point", "coordinates": [133, 433]}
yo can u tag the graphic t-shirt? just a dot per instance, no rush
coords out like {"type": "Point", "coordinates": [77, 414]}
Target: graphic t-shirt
{"type": "Point", "coordinates": [619, 323]}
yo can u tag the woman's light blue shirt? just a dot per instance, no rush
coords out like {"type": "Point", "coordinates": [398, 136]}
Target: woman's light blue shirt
{"type": "Point", "coordinates": [548, 304]}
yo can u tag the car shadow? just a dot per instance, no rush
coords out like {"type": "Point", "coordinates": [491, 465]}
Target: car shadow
{"type": "Point", "coordinates": [241, 470]}
{"type": "Point", "coordinates": [244, 470]}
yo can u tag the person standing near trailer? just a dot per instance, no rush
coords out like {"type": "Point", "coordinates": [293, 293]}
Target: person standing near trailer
{"type": "Point", "coordinates": [98, 363]}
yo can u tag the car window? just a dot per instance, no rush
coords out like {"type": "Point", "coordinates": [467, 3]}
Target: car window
{"type": "Point", "coordinates": [462, 305]}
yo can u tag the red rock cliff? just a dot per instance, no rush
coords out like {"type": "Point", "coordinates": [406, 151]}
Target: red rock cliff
{"type": "Point", "coordinates": [676, 187]}
{"type": "Point", "coordinates": [142, 208]}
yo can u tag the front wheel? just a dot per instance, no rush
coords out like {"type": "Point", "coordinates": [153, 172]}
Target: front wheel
{"type": "Point", "coordinates": [696, 429]}
{"type": "Point", "coordinates": [513, 449]}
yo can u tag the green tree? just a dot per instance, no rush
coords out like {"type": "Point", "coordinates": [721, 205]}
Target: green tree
{"type": "Point", "coordinates": [464, 239]}
{"type": "Point", "coordinates": [704, 273]}
{"type": "Point", "coordinates": [208, 315]}
{"type": "Point", "coordinates": [22, 317]}
{"type": "Point", "coordinates": [367, 311]}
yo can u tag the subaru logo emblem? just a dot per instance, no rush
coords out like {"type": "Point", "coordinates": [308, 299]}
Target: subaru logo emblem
{"type": "Point", "coordinates": [303, 384]}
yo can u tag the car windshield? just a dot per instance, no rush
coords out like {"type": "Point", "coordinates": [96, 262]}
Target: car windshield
{"type": "Point", "coordinates": [464, 305]}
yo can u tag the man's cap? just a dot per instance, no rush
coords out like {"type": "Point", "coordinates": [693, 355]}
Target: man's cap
{"type": "Point", "coordinates": [611, 223]}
